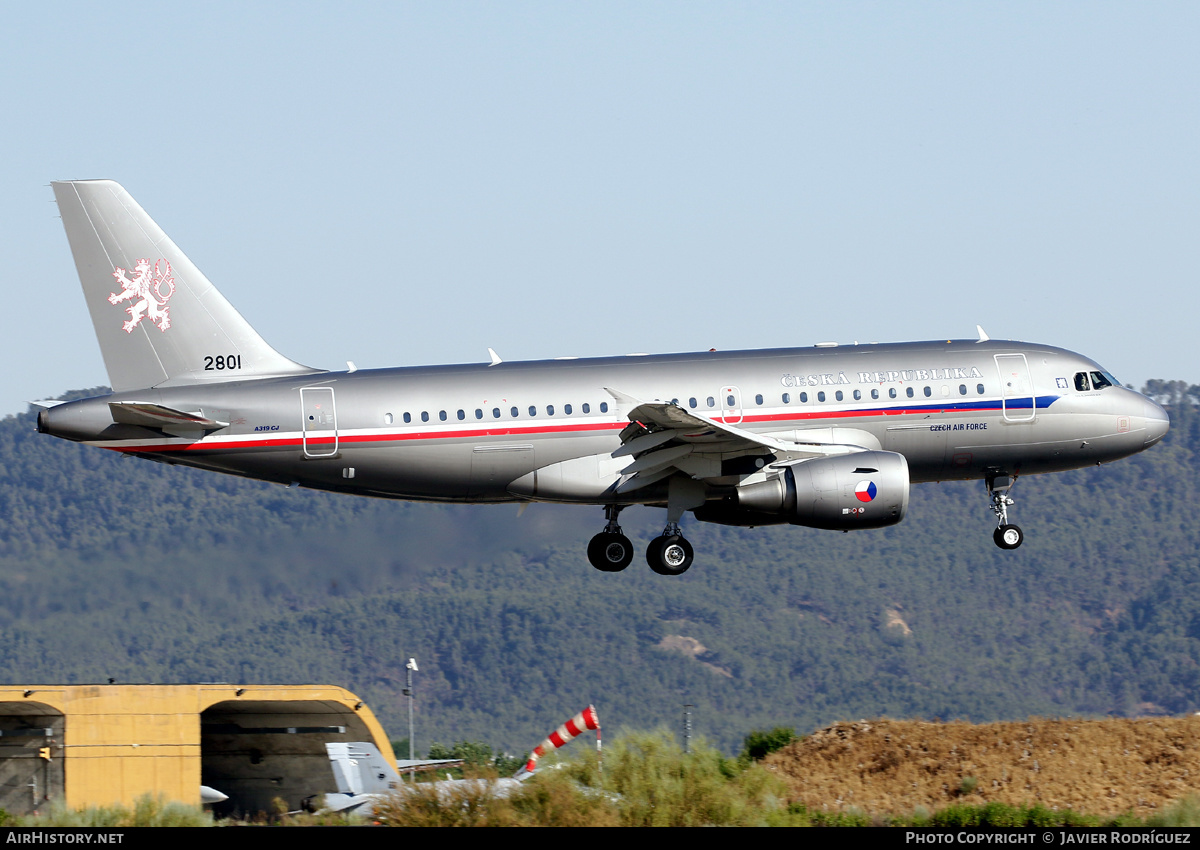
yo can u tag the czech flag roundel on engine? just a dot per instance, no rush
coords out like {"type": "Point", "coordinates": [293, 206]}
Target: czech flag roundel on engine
{"type": "Point", "coordinates": [866, 491]}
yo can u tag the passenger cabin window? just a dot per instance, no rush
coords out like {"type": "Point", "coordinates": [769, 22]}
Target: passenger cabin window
{"type": "Point", "coordinates": [567, 409]}
{"type": "Point", "coordinates": [587, 408]}
{"type": "Point", "coordinates": [979, 388]}
{"type": "Point", "coordinates": [424, 415]}
{"type": "Point", "coordinates": [532, 410]}
{"type": "Point", "coordinates": [858, 395]}
{"type": "Point", "coordinates": [515, 413]}
{"type": "Point", "coordinates": [962, 389]}
{"type": "Point", "coordinates": [604, 407]}
{"type": "Point", "coordinates": [712, 402]}
{"type": "Point", "coordinates": [442, 415]}
{"type": "Point", "coordinates": [387, 419]}
{"type": "Point", "coordinates": [407, 418]}
{"type": "Point", "coordinates": [462, 414]}
{"type": "Point", "coordinates": [758, 399]}
{"type": "Point", "coordinates": [549, 410]}
{"type": "Point", "coordinates": [692, 403]}
{"type": "Point", "coordinates": [928, 392]}
{"type": "Point", "coordinates": [909, 392]}
{"type": "Point", "coordinates": [478, 413]}
{"type": "Point", "coordinates": [804, 398]}
{"type": "Point", "coordinates": [495, 413]}
{"type": "Point", "coordinates": [874, 393]}
{"type": "Point", "coordinates": [821, 395]}
{"type": "Point", "coordinates": [838, 395]}
{"type": "Point", "coordinates": [787, 398]}
{"type": "Point", "coordinates": [891, 392]}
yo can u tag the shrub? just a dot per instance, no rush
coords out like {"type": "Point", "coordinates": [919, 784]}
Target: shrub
{"type": "Point", "coordinates": [762, 742]}
{"type": "Point", "coordinates": [644, 780]}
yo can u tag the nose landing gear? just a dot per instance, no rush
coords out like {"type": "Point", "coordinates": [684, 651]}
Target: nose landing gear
{"type": "Point", "coordinates": [1006, 535]}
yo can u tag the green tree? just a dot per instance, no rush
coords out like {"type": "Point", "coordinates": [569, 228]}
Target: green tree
{"type": "Point", "coordinates": [762, 742]}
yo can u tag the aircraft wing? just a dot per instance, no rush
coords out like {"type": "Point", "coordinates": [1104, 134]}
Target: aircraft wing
{"type": "Point", "coordinates": [664, 438]}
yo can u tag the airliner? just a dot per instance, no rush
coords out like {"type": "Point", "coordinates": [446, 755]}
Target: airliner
{"type": "Point", "coordinates": [828, 436]}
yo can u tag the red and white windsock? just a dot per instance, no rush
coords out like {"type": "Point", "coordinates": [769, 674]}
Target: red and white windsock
{"type": "Point", "coordinates": [570, 730]}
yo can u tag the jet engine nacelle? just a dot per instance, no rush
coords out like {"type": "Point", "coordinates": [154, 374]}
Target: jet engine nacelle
{"type": "Point", "coordinates": [861, 490]}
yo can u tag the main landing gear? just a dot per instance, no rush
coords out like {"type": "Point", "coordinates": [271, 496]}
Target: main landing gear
{"type": "Point", "coordinates": [610, 551]}
{"type": "Point", "coordinates": [1006, 536]}
{"type": "Point", "coordinates": [670, 554]}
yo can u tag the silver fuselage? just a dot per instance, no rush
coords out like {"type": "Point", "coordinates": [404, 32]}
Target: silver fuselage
{"type": "Point", "coordinates": [473, 433]}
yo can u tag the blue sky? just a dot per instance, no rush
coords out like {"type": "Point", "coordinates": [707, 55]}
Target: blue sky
{"type": "Point", "coordinates": [402, 183]}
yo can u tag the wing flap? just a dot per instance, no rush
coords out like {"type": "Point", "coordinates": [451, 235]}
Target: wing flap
{"type": "Point", "coordinates": [653, 461]}
{"type": "Point", "coordinates": [646, 442]}
{"type": "Point", "coordinates": [662, 436]}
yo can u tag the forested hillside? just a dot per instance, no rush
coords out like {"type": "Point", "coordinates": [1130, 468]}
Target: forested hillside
{"type": "Point", "coordinates": [151, 573]}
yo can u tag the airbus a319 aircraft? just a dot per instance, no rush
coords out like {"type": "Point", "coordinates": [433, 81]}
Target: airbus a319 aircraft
{"type": "Point", "coordinates": [826, 437]}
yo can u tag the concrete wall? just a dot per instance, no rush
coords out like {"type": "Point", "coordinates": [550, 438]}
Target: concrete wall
{"type": "Point", "coordinates": [115, 743]}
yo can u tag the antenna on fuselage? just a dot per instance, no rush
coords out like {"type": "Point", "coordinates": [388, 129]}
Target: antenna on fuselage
{"type": "Point", "coordinates": [983, 337]}
{"type": "Point", "coordinates": [495, 357]}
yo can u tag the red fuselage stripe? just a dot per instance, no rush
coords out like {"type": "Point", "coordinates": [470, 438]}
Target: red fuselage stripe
{"type": "Point", "coordinates": [478, 433]}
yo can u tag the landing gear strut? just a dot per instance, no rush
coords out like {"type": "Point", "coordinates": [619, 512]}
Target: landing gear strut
{"type": "Point", "coordinates": [1006, 536]}
{"type": "Point", "coordinates": [610, 551]}
{"type": "Point", "coordinates": [670, 554]}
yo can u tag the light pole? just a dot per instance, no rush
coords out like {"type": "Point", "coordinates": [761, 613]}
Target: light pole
{"type": "Point", "coordinates": [411, 667]}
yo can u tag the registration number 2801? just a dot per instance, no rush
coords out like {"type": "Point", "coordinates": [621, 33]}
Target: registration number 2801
{"type": "Point", "coordinates": [222, 362]}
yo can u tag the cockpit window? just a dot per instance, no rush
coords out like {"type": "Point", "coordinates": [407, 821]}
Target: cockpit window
{"type": "Point", "coordinates": [1098, 381]}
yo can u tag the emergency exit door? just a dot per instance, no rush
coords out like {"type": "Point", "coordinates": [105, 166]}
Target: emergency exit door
{"type": "Point", "coordinates": [319, 422]}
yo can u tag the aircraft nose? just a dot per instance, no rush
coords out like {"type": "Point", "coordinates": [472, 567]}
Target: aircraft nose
{"type": "Point", "coordinates": [1157, 423]}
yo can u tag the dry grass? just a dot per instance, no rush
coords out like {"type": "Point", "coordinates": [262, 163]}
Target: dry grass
{"type": "Point", "coordinates": [550, 800]}
{"type": "Point", "coordinates": [647, 780]}
{"type": "Point", "coordinates": [146, 811]}
{"type": "Point", "coordinates": [1101, 767]}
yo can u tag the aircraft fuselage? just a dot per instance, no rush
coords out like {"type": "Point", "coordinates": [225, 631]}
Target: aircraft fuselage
{"type": "Point", "coordinates": [956, 410]}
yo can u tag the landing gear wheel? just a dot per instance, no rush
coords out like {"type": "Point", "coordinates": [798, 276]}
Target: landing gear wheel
{"type": "Point", "coordinates": [669, 555]}
{"type": "Point", "coordinates": [1008, 536]}
{"type": "Point", "coordinates": [610, 552]}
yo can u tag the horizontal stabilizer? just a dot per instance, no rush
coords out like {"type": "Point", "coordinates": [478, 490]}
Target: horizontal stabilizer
{"type": "Point", "coordinates": [149, 415]}
{"type": "Point", "coordinates": [209, 796]}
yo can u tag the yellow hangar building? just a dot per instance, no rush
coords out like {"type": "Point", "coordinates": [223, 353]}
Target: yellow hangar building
{"type": "Point", "coordinates": [89, 745]}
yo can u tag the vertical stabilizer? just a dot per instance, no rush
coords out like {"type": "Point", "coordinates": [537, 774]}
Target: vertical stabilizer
{"type": "Point", "coordinates": [359, 768]}
{"type": "Point", "coordinates": [158, 319]}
